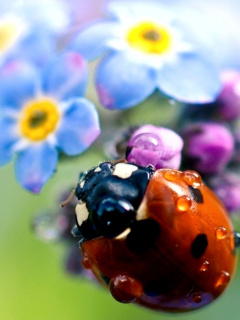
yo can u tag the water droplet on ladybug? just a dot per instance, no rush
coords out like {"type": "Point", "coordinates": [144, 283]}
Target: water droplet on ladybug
{"type": "Point", "coordinates": [192, 178]}
{"type": "Point", "coordinates": [183, 204]}
{"type": "Point", "coordinates": [221, 233]}
{"type": "Point", "coordinates": [125, 289]}
{"type": "Point", "coordinates": [86, 263]}
{"type": "Point", "coordinates": [171, 175]}
{"type": "Point", "coordinates": [223, 279]}
{"type": "Point", "coordinates": [197, 298]}
{"type": "Point", "coordinates": [205, 266]}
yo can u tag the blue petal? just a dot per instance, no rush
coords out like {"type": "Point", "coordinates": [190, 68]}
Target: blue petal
{"type": "Point", "coordinates": [37, 48]}
{"type": "Point", "coordinates": [7, 139]}
{"type": "Point", "coordinates": [66, 76]}
{"type": "Point", "coordinates": [93, 40]}
{"type": "Point", "coordinates": [189, 79]}
{"type": "Point", "coordinates": [79, 127]}
{"type": "Point", "coordinates": [123, 82]}
{"type": "Point", "coordinates": [18, 83]}
{"type": "Point", "coordinates": [35, 165]}
{"type": "Point", "coordinates": [145, 10]}
{"type": "Point", "coordinates": [50, 16]}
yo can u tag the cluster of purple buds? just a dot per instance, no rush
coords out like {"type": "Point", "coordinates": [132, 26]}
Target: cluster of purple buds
{"type": "Point", "coordinates": [212, 141]}
{"type": "Point", "coordinates": [207, 147]}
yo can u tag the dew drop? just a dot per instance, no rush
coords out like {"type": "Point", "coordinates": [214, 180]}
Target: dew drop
{"type": "Point", "coordinates": [197, 298]}
{"type": "Point", "coordinates": [221, 233]}
{"type": "Point", "coordinates": [125, 289]}
{"type": "Point", "coordinates": [223, 279]}
{"type": "Point", "coordinates": [204, 267]}
{"type": "Point", "coordinates": [47, 227]}
{"type": "Point", "coordinates": [183, 204]}
{"type": "Point", "coordinates": [192, 178]}
{"type": "Point", "coordinates": [171, 175]}
{"type": "Point", "coordinates": [86, 263]}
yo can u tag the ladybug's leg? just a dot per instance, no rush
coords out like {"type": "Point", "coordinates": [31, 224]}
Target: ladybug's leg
{"type": "Point", "coordinates": [112, 215]}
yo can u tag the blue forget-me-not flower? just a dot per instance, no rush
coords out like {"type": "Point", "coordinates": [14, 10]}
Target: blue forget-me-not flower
{"type": "Point", "coordinates": [41, 113]}
{"type": "Point", "coordinates": [27, 28]}
{"type": "Point", "coordinates": [148, 47]}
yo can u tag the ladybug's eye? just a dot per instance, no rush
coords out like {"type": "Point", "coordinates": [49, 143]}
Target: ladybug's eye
{"type": "Point", "coordinates": [111, 216]}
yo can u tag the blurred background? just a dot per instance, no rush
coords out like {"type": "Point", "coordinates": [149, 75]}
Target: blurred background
{"type": "Point", "coordinates": [34, 284]}
{"type": "Point", "coordinates": [33, 280]}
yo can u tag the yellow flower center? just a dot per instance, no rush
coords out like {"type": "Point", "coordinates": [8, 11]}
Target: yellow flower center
{"type": "Point", "coordinates": [149, 37]}
{"type": "Point", "coordinates": [10, 31]}
{"type": "Point", "coordinates": [39, 119]}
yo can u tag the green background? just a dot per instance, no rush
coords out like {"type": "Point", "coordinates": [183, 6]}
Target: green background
{"type": "Point", "coordinates": [33, 284]}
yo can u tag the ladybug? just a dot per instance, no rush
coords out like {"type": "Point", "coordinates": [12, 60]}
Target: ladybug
{"type": "Point", "coordinates": [159, 238]}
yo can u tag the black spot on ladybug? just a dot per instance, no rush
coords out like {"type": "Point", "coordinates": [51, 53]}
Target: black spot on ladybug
{"type": "Point", "coordinates": [143, 235]}
{"type": "Point", "coordinates": [199, 246]}
{"type": "Point", "coordinates": [196, 194]}
{"type": "Point", "coordinates": [105, 279]}
{"type": "Point", "coordinates": [157, 287]}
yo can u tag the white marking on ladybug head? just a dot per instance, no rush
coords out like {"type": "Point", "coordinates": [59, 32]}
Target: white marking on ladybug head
{"type": "Point", "coordinates": [82, 183]}
{"type": "Point", "coordinates": [81, 212]}
{"type": "Point", "coordinates": [124, 170]}
{"type": "Point", "coordinates": [98, 169]}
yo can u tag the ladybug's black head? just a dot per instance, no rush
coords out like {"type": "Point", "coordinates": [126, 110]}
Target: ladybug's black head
{"type": "Point", "coordinates": [109, 196]}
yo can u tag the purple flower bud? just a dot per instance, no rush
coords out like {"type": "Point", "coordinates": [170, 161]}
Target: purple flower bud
{"type": "Point", "coordinates": [229, 98]}
{"type": "Point", "coordinates": [208, 147]}
{"type": "Point", "coordinates": [160, 147]}
{"type": "Point", "coordinates": [73, 260]}
{"type": "Point", "coordinates": [227, 188]}
{"type": "Point", "coordinates": [236, 156]}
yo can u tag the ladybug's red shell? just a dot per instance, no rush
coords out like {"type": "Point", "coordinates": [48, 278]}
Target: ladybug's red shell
{"type": "Point", "coordinates": [192, 259]}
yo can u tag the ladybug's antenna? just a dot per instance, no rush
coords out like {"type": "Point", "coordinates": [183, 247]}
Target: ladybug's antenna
{"type": "Point", "coordinates": [122, 160]}
{"type": "Point", "coordinates": [64, 203]}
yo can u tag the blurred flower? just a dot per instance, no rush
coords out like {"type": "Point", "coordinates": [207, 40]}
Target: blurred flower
{"type": "Point", "coordinates": [236, 156]}
{"type": "Point", "coordinates": [225, 108]}
{"type": "Point", "coordinates": [208, 147]}
{"type": "Point", "coordinates": [229, 98]}
{"type": "Point", "coordinates": [148, 49]}
{"type": "Point", "coordinates": [218, 32]}
{"type": "Point", "coordinates": [56, 226]}
{"type": "Point", "coordinates": [158, 146]}
{"type": "Point", "coordinates": [43, 112]}
{"type": "Point", "coordinates": [27, 28]}
{"type": "Point", "coordinates": [227, 188]}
